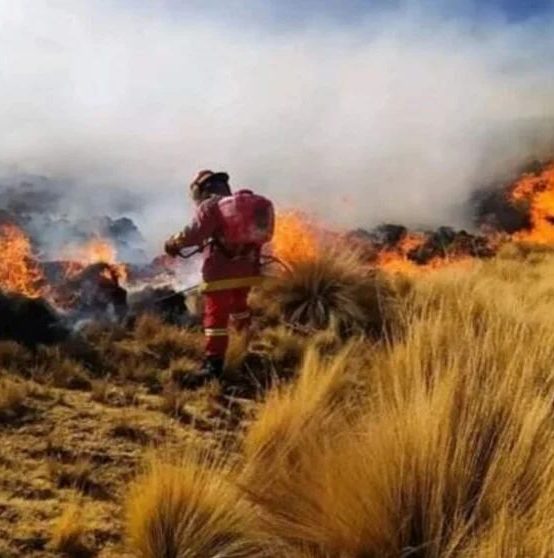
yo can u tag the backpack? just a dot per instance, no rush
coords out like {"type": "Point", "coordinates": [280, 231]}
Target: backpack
{"type": "Point", "coordinates": [247, 220]}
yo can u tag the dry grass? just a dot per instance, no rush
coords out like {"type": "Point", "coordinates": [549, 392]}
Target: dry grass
{"type": "Point", "coordinates": [236, 352]}
{"type": "Point", "coordinates": [127, 427]}
{"type": "Point", "coordinates": [190, 510]}
{"type": "Point", "coordinates": [69, 532]}
{"type": "Point", "coordinates": [293, 412]}
{"type": "Point", "coordinates": [334, 289]}
{"type": "Point", "coordinates": [140, 355]}
{"type": "Point", "coordinates": [182, 367]}
{"type": "Point", "coordinates": [79, 475]}
{"type": "Point", "coordinates": [434, 442]}
{"type": "Point", "coordinates": [455, 434]}
{"type": "Point", "coordinates": [100, 390]}
{"type": "Point", "coordinates": [168, 342]}
{"type": "Point", "coordinates": [12, 398]}
{"type": "Point", "coordinates": [439, 444]}
{"type": "Point", "coordinates": [62, 371]}
{"type": "Point", "coordinates": [273, 355]}
{"type": "Point", "coordinates": [15, 358]}
{"type": "Point", "coordinates": [282, 346]}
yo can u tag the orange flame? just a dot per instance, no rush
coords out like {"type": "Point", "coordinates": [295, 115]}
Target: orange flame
{"type": "Point", "coordinates": [96, 250]}
{"type": "Point", "coordinates": [298, 239]}
{"type": "Point", "coordinates": [537, 190]}
{"type": "Point", "coordinates": [19, 271]}
{"type": "Point", "coordinates": [395, 260]}
{"type": "Point", "coordinates": [92, 251]}
{"type": "Point", "coordinates": [295, 238]}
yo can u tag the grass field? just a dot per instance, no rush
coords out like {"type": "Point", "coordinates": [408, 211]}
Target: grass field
{"type": "Point", "coordinates": [371, 416]}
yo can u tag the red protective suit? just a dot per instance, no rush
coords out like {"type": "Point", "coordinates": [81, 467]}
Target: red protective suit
{"type": "Point", "coordinates": [229, 270]}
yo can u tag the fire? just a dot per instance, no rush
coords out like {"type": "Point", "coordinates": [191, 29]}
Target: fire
{"type": "Point", "coordinates": [298, 239]}
{"type": "Point", "coordinates": [19, 271]}
{"type": "Point", "coordinates": [96, 250]}
{"type": "Point", "coordinates": [395, 260]}
{"type": "Point", "coordinates": [295, 238]}
{"type": "Point", "coordinates": [538, 192]}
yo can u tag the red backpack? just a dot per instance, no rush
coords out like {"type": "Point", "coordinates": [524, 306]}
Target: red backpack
{"type": "Point", "coordinates": [247, 219]}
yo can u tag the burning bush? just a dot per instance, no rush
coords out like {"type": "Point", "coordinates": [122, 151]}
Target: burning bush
{"type": "Point", "coordinates": [296, 239]}
{"type": "Point", "coordinates": [19, 270]}
{"type": "Point", "coordinates": [91, 292]}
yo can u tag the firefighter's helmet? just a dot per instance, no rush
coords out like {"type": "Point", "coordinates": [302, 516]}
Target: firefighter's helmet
{"type": "Point", "coordinates": [208, 183]}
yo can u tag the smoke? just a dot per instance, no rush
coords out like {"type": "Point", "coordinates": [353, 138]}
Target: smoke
{"type": "Point", "coordinates": [395, 117]}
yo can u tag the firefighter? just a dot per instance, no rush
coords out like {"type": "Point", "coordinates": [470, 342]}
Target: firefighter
{"type": "Point", "coordinates": [231, 229]}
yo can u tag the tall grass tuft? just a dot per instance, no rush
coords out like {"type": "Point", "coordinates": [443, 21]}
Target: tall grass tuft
{"type": "Point", "coordinates": [438, 444]}
{"type": "Point", "coordinates": [190, 510]}
{"type": "Point", "coordinates": [453, 435]}
{"type": "Point", "coordinates": [334, 288]}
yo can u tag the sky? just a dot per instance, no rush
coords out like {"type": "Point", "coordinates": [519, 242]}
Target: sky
{"type": "Point", "coordinates": [285, 15]}
{"type": "Point", "coordinates": [360, 112]}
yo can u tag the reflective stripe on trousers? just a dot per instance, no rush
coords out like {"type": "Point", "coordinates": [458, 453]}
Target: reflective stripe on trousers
{"type": "Point", "coordinates": [219, 308]}
{"type": "Point", "coordinates": [216, 332]}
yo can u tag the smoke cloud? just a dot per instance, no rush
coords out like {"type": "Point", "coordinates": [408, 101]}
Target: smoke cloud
{"type": "Point", "coordinates": [396, 117]}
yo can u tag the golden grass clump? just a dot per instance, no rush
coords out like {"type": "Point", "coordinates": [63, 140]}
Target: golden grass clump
{"type": "Point", "coordinates": [12, 398]}
{"type": "Point", "coordinates": [168, 341]}
{"type": "Point", "coordinates": [426, 477]}
{"type": "Point", "coordinates": [291, 420]}
{"type": "Point", "coordinates": [15, 358]}
{"type": "Point", "coordinates": [294, 411]}
{"type": "Point", "coordinates": [333, 289]}
{"type": "Point", "coordinates": [236, 352]}
{"type": "Point", "coordinates": [190, 510]}
{"type": "Point", "coordinates": [68, 534]}
{"type": "Point", "coordinates": [140, 354]}
{"type": "Point", "coordinates": [439, 444]}
{"type": "Point", "coordinates": [274, 354]}
{"type": "Point", "coordinates": [181, 368]}
{"type": "Point", "coordinates": [452, 436]}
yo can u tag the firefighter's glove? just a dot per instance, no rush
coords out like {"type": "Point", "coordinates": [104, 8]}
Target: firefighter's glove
{"type": "Point", "coordinates": [173, 246]}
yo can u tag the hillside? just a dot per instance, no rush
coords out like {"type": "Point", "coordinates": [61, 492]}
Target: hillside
{"type": "Point", "coordinates": [373, 415]}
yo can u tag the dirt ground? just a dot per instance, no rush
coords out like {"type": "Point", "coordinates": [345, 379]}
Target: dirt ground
{"type": "Point", "coordinates": [65, 447]}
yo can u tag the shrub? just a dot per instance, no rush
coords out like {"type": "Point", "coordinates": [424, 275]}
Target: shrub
{"type": "Point", "coordinates": [333, 289]}
{"type": "Point", "coordinates": [447, 451]}
{"type": "Point", "coordinates": [190, 510]}
{"type": "Point", "coordinates": [291, 419]}
{"type": "Point", "coordinates": [15, 358]}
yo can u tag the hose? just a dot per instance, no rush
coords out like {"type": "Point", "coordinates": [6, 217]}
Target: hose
{"type": "Point", "coordinates": [274, 259]}
{"type": "Point", "coordinates": [266, 259]}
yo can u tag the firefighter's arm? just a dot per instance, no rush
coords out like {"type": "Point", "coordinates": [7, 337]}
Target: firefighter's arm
{"type": "Point", "coordinates": [196, 233]}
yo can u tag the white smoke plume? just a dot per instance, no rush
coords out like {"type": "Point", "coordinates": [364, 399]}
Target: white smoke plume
{"type": "Point", "coordinates": [396, 117]}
